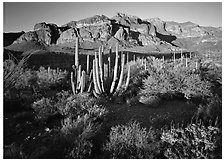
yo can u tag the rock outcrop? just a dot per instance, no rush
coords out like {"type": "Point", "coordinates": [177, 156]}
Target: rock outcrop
{"type": "Point", "coordinates": [47, 33]}
{"type": "Point", "coordinates": [93, 21]}
{"type": "Point", "coordinates": [121, 34]}
{"type": "Point", "coordinates": [67, 36]}
{"type": "Point", "coordinates": [129, 31]}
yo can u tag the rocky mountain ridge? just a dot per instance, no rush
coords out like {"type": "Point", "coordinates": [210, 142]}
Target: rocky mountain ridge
{"type": "Point", "coordinates": [129, 31]}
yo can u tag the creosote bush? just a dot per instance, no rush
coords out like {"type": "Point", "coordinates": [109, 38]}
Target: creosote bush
{"type": "Point", "coordinates": [130, 141]}
{"type": "Point", "coordinates": [193, 142]}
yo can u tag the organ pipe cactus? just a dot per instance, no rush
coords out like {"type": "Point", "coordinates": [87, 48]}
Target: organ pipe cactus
{"type": "Point", "coordinates": [117, 79]}
{"type": "Point", "coordinates": [80, 81]}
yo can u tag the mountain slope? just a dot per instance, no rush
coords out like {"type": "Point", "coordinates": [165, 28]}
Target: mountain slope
{"type": "Point", "coordinates": [132, 32]}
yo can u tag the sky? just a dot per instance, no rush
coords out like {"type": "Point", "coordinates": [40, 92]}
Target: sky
{"type": "Point", "coordinates": [22, 16]}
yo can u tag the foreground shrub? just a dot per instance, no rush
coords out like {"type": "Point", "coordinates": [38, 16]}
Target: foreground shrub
{"type": "Point", "coordinates": [12, 73]}
{"type": "Point", "coordinates": [193, 142]}
{"type": "Point", "coordinates": [130, 141]}
{"type": "Point", "coordinates": [73, 105]}
{"type": "Point", "coordinates": [44, 108]}
{"type": "Point", "coordinates": [211, 109]}
{"type": "Point", "coordinates": [79, 132]}
{"type": "Point", "coordinates": [137, 74]}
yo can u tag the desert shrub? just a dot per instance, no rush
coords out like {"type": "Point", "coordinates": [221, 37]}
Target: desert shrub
{"type": "Point", "coordinates": [50, 77]}
{"type": "Point", "coordinates": [73, 105]}
{"type": "Point", "coordinates": [44, 108]}
{"type": "Point", "coordinates": [168, 82]}
{"type": "Point", "coordinates": [158, 84]}
{"type": "Point", "coordinates": [14, 151]}
{"type": "Point", "coordinates": [79, 131]}
{"type": "Point", "coordinates": [137, 74]}
{"type": "Point", "coordinates": [193, 142]}
{"type": "Point", "coordinates": [212, 72]}
{"type": "Point", "coordinates": [194, 86]}
{"type": "Point", "coordinates": [14, 74]}
{"type": "Point", "coordinates": [130, 141]}
{"type": "Point", "coordinates": [211, 109]}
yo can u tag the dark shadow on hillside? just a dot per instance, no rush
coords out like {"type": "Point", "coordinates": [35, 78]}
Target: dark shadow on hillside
{"type": "Point", "coordinates": [167, 38]}
{"type": "Point", "coordinates": [134, 35]}
{"type": "Point", "coordinates": [65, 61]}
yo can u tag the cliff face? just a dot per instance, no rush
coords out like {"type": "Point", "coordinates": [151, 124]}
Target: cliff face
{"type": "Point", "coordinates": [129, 31]}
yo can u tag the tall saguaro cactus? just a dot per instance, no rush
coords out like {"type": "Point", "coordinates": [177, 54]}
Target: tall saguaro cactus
{"type": "Point", "coordinates": [117, 79]}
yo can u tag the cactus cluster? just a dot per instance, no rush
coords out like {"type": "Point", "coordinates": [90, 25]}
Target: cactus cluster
{"type": "Point", "coordinates": [81, 80]}
{"type": "Point", "coordinates": [114, 81]}
{"type": "Point", "coordinates": [96, 80]}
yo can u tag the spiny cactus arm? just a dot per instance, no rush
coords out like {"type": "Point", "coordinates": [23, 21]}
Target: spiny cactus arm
{"type": "Point", "coordinates": [95, 94]}
{"type": "Point", "coordinates": [97, 72]}
{"type": "Point", "coordinates": [73, 83]}
{"type": "Point", "coordinates": [128, 77]}
{"type": "Point", "coordinates": [96, 88]}
{"type": "Point", "coordinates": [174, 57]}
{"type": "Point", "coordinates": [121, 75]}
{"type": "Point", "coordinates": [127, 57]}
{"type": "Point", "coordinates": [101, 72]}
{"type": "Point", "coordinates": [134, 58]}
{"type": "Point", "coordinates": [91, 75]}
{"type": "Point", "coordinates": [78, 84]}
{"type": "Point", "coordinates": [87, 64]}
{"type": "Point", "coordinates": [90, 87]}
{"type": "Point", "coordinates": [115, 71]}
{"type": "Point", "coordinates": [109, 65]}
{"type": "Point", "coordinates": [77, 52]}
{"type": "Point", "coordinates": [83, 81]}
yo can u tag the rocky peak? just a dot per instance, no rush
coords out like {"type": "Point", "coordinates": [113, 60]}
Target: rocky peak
{"type": "Point", "coordinates": [126, 20]}
{"type": "Point", "coordinates": [93, 21]}
{"type": "Point", "coordinates": [71, 24]}
{"type": "Point", "coordinates": [159, 25]}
